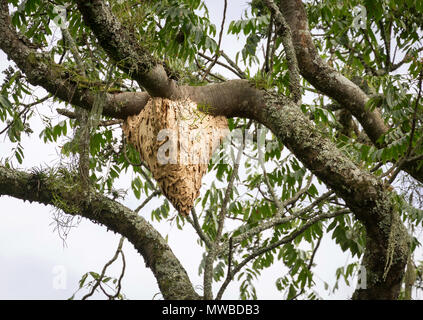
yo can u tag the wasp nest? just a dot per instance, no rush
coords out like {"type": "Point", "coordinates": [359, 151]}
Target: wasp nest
{"type": "Point", "coordinates": [176, 141]}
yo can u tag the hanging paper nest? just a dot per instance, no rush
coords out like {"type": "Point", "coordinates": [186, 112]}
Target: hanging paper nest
{"type": "Point", "coordinates": [176, 141]}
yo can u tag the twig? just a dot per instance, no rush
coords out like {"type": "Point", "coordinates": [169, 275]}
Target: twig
{"type": "Point", "coordinates": [72, 115]}
{"type": "Point", "coordinates": [377, 167]}
{"type": "Point", "coordinates": [276, 200]}
{"type": "Point", "coordinates": [268, 47]}
{"type": "Point", "coordinates": [277, 220]}
{"type": "Point", "coordinates": [375, 51]}
{"type": "Point", "coordinates": [416, 158]}
{"type": "Point", "coordinates": [201, 69]}
{"type": "Point", "coordinates": [298, 194]}
{"type": "Point", "coordinates": [119, 284]}
{"type": "Point", "coordinates": [310, 264]}
{"type": "Point", "coordinates": [230, 256]}
{"type": "Point", "coordinates": [387, 41]}
{"type": "Point", "coordinates": [211, 256]}
{"type": "Point", "coordinates": [292, 236]}
{"type": "Point", "coordinates": [229, 275]}
{"type": "Point", "coordinates": [122, 273]}
{"type": "Point", "coordinates": [27, 107]}
{"type": "Point", "coordinates": [228, 193]}
{"type": "Point", "coordinates": [225, 6]}
{"type": "Point", "coordinates": [273, 52]}
{"type": "Point", "coordinates": [405, 60]}
{"type": "Point", "coordinates": [241, 73]}
{"type": "Point", "coordinates": [103, 272]}
{"type": "Point", "coordinates": [151, 196]}
{"type": "Point", "coordinates": [202, 55]}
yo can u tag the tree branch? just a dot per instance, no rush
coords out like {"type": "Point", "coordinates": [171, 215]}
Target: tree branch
{"type": "Point", "coordinates": [272, 246]}
{"type": "Point", "coordinates": [194, 222]}
{"type": "Point", "coordinates": [62, 83]}
{"type": "Point", "coordinates": [103, 123]}
{"type": "Point", "coordinates": [310, 263]}
{"type": "Point", "coordinates": [216, 56]}
{"type": "Point", "coordinates": [60, 189]}
{"type": "Point", "coordinates": [103, 272]}
{"type": "Point", "coordinates": [275, 221]}
{"type": "Point", "coordinates": [142, 205]}
{"type": "Point", "coordinates": [331, 82]}
{"type": "Point", "coordinates": [285, 32]}
{"type": "Point", "coordinates": [236, 72]}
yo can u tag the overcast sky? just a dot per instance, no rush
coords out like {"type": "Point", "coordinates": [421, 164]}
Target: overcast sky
{"type": "Point", "coordinates": [32, 255]}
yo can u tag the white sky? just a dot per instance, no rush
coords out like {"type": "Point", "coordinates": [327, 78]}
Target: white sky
{"type": "Point", "coordinates": [30, 251]}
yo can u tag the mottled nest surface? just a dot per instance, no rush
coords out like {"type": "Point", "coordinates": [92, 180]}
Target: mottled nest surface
{"type": "Point", "coordinates": [176, 141]}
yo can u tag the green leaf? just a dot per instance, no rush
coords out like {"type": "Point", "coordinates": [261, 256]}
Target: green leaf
{"type": "Point", "coordinates": [5, 103]}
{"type": "Point", "coordinates": [82, 281]}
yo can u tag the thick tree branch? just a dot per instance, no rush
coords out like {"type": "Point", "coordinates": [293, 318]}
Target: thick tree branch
{"type": "Point", "coordinates": [325, 78]}
{"type": "Point", "coordinates": [331, 82]}
{"type": "Point", "coordinates": [61, 189]}
{"type": "Point", "coordinates": [272, 246]}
